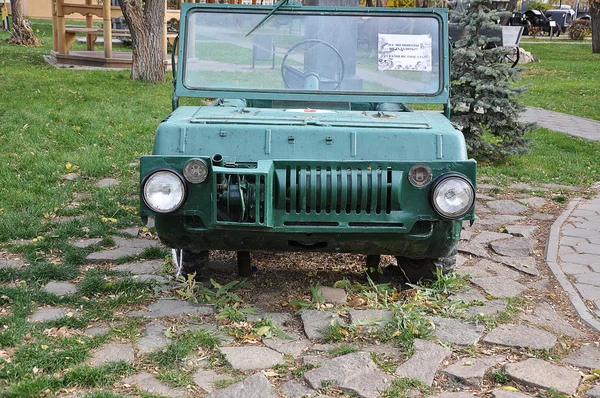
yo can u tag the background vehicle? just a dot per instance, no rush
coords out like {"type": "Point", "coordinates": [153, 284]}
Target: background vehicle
{"type": "Point", "coordinates": [563, 18]}
{"type": "Point", "coordinates": [318, 153]}
{"type": "Point", "coordinates": [533, 18]}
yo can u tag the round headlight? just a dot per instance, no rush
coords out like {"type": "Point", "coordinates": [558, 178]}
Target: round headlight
{"type": "Point", "coordinates": [452, 196]}
{"type": "Point", "coordinates": [195, 171]}
{"type": "Point", "coordinates": [164, 191]}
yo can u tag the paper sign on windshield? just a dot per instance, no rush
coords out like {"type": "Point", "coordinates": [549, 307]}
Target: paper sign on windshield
{"type": "Point", "coordinates": [404, 52]}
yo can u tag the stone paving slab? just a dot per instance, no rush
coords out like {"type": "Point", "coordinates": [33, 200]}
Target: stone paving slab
{"type": "Point", "coordinates": [497, 222]}
{"type": "Point", "coordinates": [521, 336]}
{"type": "Point", "coordinates": [424, 363]}
{"type": "Point", "coordinates": [124, 247]}
{"type": "Point", "coordinates": [507, 207]}
{"type": "Point", "coordinates": [498, 286]}
{"type": "Point", "coordinates": [140, 268]}
{"type": "Point", "coordinates": [316, 322]}
{"type": "Point", "coordinates": [332, 295]}
{"type": "Point", "coordinates": [515, 247]}
{"type": "Point", "coordinates": [369, 317]}
{"type": "Point", "coordinates": [205, 379]}
{"type": "Point", "coordinates": [470, 371]}
{"type": "Point", "coordinates": [50, 314]}
{"type": "Point", "coordinates": [60, 288]}
{"type": "Point", "coordinates": [255, 386]}
{"type": "Point", "coordinates": [279, 319]}
{"type": "Point", "coordinates": [509, 394]}
{"type": "Point", "coordinates": [454, 331]}
{"type": "Point", "coordinates": [8, 263]}
{"type": "Point", "coordinates": [293, 389]}
{"type": "Point", "coordinates": [83, 243]}
{"type": "Point", "coordinates": [148, 383]}
{"type": "Point", "coordinates": [544, 315]}
{"type": "Point", "coordinates": [112, 353]}
{"type": "Point", "coordinates": [489, 308]}
{"type": "Point", "coordinates": [354, 372]}
{"type": "Point", "coordinates": [587, 357]}
{"type": "Point", "coordinates": [295, 347]}
{"type": "Point", "coordinates": [251, 357]}
{"type": "Point", "coordinates": [525, 264]}
{"type": "Point", "coordinates": [593, 392]}
{"type": "Point", "coordinates": [523, 231]}
{"type": "Point", "coordinates": [163, 308]}
{"type": "Point", "coordinates": [154, 339]}
{"type": "Point", "coordinates": [537, 373]}
{"type": "Point", "coordinates": [486, 268]}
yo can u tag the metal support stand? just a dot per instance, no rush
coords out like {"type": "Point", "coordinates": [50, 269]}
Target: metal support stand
{"type": "Point", "coordinates": [373, 269]}
{"type": "Point", "coordinates": [244, 264]}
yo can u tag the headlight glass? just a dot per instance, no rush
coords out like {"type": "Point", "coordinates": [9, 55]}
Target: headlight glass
{"type": "Point", "coordinates": [453, 197]}
{"type": "Point", "coordinates": [164, 191]}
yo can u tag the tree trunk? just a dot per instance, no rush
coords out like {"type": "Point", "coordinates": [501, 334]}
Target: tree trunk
{"type": "Point", "coordinates": [512, 4]}
{"type": "Point", "coordinates": [22, 33]}
{"type": "Point", "coordinates": [145, 27]}
{"type": "Point", "coordinates": [595, 13]}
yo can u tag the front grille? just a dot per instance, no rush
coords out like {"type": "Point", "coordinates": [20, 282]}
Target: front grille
{"type": "Point", "coordinates": [360, 190]}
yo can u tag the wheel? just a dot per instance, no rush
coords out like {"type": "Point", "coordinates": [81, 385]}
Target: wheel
{"type": "Point", "coordinates": [295, 78]}
{"type": "Point", "coordinates": [425, 269]}
{"type": "Point", "coordinates": [190, 262]}
{"type": "Point", "coordinates": [513, 56]}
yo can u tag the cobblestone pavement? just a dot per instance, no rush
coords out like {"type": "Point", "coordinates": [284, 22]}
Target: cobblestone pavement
{"type": "Point", "coordinates": [545, 346]}
{"type": "Point", "coordinates": [489, 351]}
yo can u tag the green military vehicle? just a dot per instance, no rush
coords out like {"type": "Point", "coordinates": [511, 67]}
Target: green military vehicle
{"type": "Point", "coordinates": [309, 144]}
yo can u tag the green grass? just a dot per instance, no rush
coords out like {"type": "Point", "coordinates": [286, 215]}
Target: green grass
{"type": "Point", "coordinates": [553, 158]}
{"type": "Point", "coordinates": [565, 80]}
{"type": "Point", "coordinates": [97, 124]}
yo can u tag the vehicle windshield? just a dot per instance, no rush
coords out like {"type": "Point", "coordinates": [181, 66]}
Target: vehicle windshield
{"type": "Point", "coordinates": [313, 52]}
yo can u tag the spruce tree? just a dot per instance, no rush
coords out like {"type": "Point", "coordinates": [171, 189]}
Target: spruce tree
{"type": "Point", "coordinates": [484, 97]}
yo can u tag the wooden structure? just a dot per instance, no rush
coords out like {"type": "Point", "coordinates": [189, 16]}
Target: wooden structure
{"type": "Point", "coordinates": [65, 36]}
{"type": "Point", "coordinates": [92, 10]}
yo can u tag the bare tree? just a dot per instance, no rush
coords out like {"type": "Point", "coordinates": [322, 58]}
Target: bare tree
{"type": "Point", "coordinates": [146, 22]}
{"type": "Point", "coordinates": [22, 33]}
{"type": "Point", "coordinates": [512, 4]}
{"type": "Point", "coordinates": [595, 13]}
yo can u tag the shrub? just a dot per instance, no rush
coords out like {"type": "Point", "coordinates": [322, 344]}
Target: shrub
{"type": "Point", "coordinates": [535, 31]}
{"type": "Point", "coordinates": [539, 5]}
{"type": "Point", "coordinates": [580, 28]}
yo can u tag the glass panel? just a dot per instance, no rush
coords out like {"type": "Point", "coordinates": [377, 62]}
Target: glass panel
{"type": "Point", "coordinates": [297, 52]}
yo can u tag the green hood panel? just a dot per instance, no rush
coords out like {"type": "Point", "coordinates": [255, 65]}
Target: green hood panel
{"type": "Point", "coordinates": [252, 134]}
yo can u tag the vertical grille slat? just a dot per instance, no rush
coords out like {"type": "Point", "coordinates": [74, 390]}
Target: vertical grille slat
{"type": "Point", "coordinates": [313, 190]}
{"type": "Point", "coordinates": [316, 189]}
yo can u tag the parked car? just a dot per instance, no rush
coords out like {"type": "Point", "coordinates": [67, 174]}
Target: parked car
{"type": "Point", "coordinates": [563, 18]}
{"type": "Point", "coordinates": [319, 154]}
{"type": "Point", "coordinates": [532, 18]}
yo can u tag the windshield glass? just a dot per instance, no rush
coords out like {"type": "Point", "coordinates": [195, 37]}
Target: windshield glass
{"type": "Point", "coordinates": [296, 51]}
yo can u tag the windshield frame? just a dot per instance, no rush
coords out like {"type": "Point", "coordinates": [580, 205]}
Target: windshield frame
{"type": "Point", "coordinates": [441, 96]}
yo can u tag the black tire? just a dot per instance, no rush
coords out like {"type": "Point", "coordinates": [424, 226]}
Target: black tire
{"type": "Point", "coordinates": [194, 262]}
{"type": "Point", "coordinates": [426, 269]}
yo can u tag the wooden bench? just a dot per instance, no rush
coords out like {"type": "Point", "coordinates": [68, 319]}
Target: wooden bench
{"type": "Point", "coordinates": [91, 34]}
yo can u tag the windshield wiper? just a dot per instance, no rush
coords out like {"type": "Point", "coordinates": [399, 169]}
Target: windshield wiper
{"type": "Point", "coordinates": [277, 7]}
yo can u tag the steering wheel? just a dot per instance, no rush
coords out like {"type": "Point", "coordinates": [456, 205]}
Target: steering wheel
{"type": "Point", "coordinates": [288, 71]}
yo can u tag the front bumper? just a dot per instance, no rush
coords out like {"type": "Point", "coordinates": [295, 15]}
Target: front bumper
{"type": "Point", "coordinates": [340, 206]}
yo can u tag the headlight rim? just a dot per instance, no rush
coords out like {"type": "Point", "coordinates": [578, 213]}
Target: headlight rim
{"type": "Point", "coordinates": [437, 181]}
{"type": "Point", "coordinates": [181, 179]}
